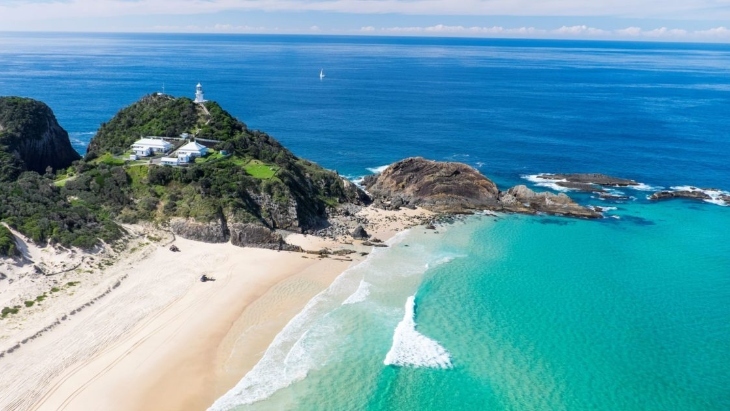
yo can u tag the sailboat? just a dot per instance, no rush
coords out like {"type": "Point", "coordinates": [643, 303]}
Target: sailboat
{"type": "Point", "coordinates": [321, 74]}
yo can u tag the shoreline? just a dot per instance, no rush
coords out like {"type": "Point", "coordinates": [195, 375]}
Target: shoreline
{"type": "Point", "coordinates": [193, 341]}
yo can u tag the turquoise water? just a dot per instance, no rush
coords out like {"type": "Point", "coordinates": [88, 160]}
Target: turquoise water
{"type": "Point", "coordinates": [536, 313]}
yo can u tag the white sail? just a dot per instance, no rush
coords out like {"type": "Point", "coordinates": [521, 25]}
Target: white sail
{"type": "Point", "coordinates": [321, 74]}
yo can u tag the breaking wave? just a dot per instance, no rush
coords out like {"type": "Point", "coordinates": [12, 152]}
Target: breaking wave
{"type": "Point", "coordinates": [377, 170]}
{"type": "Point", "coordinates": [413, 349]}
{"type": "Point", "coordinates": [716, 196]}
{"type": "Point", "coordinates": [360, 295]}
{"type": "Point", "coordinates": [549, 183]}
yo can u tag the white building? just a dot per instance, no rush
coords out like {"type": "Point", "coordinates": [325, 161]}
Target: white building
{"type": "Point", "coordinates": [199, 98]}
{"type": "Point", "coordinates": [169, 161]}
{"type": "Point", "coordinates": [190, 151]}
{"type": "Point", "coordinates": [149, 146]}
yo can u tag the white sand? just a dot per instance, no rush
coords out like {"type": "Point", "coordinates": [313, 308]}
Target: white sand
{"type": "Point", "coordinates": [163, 340]}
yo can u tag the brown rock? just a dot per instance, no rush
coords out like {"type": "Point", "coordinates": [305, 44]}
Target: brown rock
{"type": "Point", "coordinates": [437, 186]}
{"type": "Point", "coordinates": [521, 199]}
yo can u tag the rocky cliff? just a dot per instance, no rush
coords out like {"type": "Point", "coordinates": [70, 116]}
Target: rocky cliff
{"type": "Point", "coordinates": [458, 188]}
{"type": "Point", "coordinates": [437, 186]}
{"type": "Point", "coordinates": [31, 139]}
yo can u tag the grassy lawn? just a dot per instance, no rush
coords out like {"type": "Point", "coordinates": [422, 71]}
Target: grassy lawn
{"type": "Point", "coordinates": [62, 182]}
{"type": "Point", "coordinates": [258, 169]}
{"type": "Point", "coordinates": [213, 156]}
{"type": "Point", "coordinates": [109, 159]}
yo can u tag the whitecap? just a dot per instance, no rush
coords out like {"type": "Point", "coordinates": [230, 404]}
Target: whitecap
{"type": "Point", "coordinates": [645, 187]}
{"type": "Point", "coordinates": [547, 182]}
{"type": "Point", "coordinates": [377, 170]}
{"type": "Point", "coordinates": [413, 349]}
{"type": "Point", "coordinates": [714, 194]}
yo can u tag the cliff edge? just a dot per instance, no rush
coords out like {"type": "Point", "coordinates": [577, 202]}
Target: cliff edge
{"type": "Point", "coordinates": [31, 139]}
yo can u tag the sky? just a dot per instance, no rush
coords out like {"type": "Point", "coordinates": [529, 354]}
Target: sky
{"type": "Point", "coordinates": [658, 20]}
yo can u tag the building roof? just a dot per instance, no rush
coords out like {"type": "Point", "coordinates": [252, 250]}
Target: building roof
{"type": "Point", "coordinates": [192, 146]}
{"type": "Point", "coordinates": [151, 142]}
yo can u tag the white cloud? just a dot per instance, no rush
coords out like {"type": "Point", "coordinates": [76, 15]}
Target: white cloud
{"type": "Point", "coordinates": [579, 31]}
{"type": "Point", "coordinates": [461, 30]}
{"type": "Point", "coordinates": [695, 9]}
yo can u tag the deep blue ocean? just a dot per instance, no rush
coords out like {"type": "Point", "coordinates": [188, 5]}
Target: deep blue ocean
{"type": "Point", "coordinates": [508, 313]}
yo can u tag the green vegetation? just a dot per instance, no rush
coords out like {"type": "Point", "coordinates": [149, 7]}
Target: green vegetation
{"type": "Point", "coordinates": [55, 289]}
{"type": "Point", "coordinates": [157, 115]}
{"type": "Point", "coordinates": [109, 160]}
{"type": "Point", "coordinates": [260, 170]}
{"type": "Point", "coordinates": [9, 310]}
{"type": "Point", "coordinates": [23, 121]}
{"type": "Point", "coordinates": [41, 211]}
{"type": "Point", "coordinates": [29, 303]}
{"type": "Point", "coordinates": [8, 248]}
{"type": "Point", "coordinates": [257, 181]}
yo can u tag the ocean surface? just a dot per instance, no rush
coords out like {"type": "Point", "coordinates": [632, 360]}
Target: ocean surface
{"type": "Point", "coordinates": [498, 312]}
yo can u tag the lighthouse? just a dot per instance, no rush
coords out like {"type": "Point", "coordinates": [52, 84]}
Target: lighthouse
{"type": "Point", "coordinates": [199, 98]}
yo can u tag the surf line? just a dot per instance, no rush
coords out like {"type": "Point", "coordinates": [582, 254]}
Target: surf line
{"type": "Point", "coordinates": [413, 349]}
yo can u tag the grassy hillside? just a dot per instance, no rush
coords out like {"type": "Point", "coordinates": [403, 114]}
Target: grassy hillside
{"type": "Point", "coordinates": [165, 116]}
{"type": "Point", "coordinates": [257, 180]}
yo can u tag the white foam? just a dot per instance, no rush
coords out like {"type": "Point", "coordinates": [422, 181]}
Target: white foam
{"type": "Point", "coordinates": [413, 349]}
{"type": "Point", "coordinates": [715, 195]}
{"type": "Point", "coordinates": [360, 295]}
{"type": "Point", "coordinates": [298, 348]}
{"type": "Point", "coordinates": [377, 170]}
{"type": "Point", "coordinates": [645, 187]}
{"type": "Point", "coordinates": [547, 182]}
{"type": "Point", "coordinates": [615, 192]}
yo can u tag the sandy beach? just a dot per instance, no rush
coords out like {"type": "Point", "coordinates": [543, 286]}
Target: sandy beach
{"type": "Point", "coordinates": [158, 338]}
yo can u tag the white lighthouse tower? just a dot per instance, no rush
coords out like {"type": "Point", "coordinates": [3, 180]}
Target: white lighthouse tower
{"type": "Point", "coordinates": [199, 98]}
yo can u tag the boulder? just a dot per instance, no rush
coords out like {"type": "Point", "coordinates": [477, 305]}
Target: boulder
{"type": "Point", "coordinates": [521, 199]}
{"type": "Point", "coordinates": [359, 233]}
{"type": "Point", "coordinates": [437, 186]}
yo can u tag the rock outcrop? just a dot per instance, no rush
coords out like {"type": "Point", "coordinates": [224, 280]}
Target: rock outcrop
{"type": "Point", "coordinates": [359, 233]}
{"type": "Point", "coordinates": [212, 232]}
{"type": "Point", "coordinates": [257, 236]}
{"type": "Point", "coordinates": [521, 199]}
{"type": "Point", "coordinates": [239, 234]}
{"type": "Point", "coordinates": [458, 188]}
{"type": "Point", "coordinates": [31, 139]}
{"type": "Point", "coordinates": [576, 180]}
{"type": "Point", "coordinates": [437, 186]}
{"type": "Point", "coordinates": [693, 193]}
